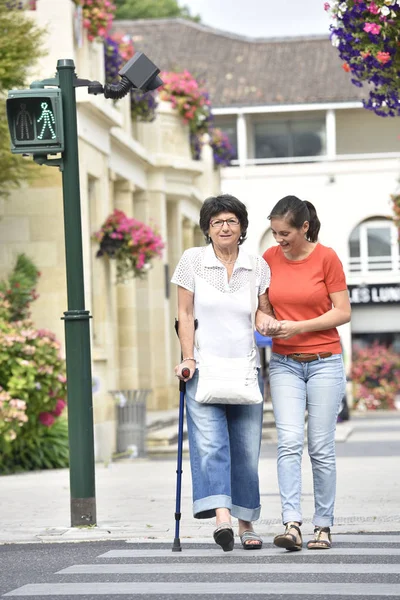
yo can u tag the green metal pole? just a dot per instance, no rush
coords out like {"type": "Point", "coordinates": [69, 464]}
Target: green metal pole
{"type": "Point", "coordinates": [77, 332]}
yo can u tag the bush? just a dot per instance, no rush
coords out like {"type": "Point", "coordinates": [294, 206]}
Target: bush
{"type": "Point", "coordinates": [376, 373]}
{"type": "Point", "coordinates": [19, 288]}
{"type": "Point", "coordinates": [32, 391]}
{"type": "Point", "coordinates": [47, 449]}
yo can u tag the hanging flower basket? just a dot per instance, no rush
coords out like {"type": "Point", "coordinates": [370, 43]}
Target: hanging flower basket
{"type": "Point", "coordinates": [192, 102]}
{"type": "Point", "coordinates": [223, 150]}
{"type": "Point", "coordinates": [131, 243]}
{"type": "Point", "coordinates": [98, 16]}
{"type": "Point", "coordinates": [144, 105]}
{"type": "Point", "coordinates": [367, 36]}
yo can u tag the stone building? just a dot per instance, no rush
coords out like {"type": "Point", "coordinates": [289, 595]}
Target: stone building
{"type": "Point", "coordinates": [144, 169]}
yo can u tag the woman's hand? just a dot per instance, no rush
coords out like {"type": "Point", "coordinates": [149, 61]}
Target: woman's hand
{"type": "Point", "coordinates": [288, 329]}
{"type": "Point", "coordinates": [266, 325]}
{"type": "Point", "coordinates": [186, 364]}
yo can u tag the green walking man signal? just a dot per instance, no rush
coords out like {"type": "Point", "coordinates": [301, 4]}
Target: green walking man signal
{"type": "Point", "coordinates": [35, 121]}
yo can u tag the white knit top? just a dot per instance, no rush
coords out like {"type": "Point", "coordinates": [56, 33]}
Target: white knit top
{"type": "Point", "coordinates": [222, 308]}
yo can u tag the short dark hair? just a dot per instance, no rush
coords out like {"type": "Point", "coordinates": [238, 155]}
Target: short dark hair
{"type": "Point", "coordinates": [297, 211]}
{"type": "Point", "coordinates": [214, 205]}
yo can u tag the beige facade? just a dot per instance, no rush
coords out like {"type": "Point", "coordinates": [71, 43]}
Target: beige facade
{"type": "Point", "coordinates": [144, 169]}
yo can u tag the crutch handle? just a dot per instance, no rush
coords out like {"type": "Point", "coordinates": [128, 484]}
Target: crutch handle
{"type": "Point", "coordinates": [185, 372]}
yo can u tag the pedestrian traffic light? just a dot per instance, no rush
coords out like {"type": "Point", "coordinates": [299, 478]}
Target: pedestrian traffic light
{"type": "Point", "coordinates": [35, 121]}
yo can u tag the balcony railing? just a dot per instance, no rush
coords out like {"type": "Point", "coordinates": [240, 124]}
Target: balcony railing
{"type": "Point", "coordinates": [372, 264]}
{"type": "Point", "coordinates": [289, 160]}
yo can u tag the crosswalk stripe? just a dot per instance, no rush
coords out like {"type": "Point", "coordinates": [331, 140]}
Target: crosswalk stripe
{"type": "Point", "coordinates": [267, 568]}
{"type": "Point", "coordinates": [337, 537]}
{"type": "Point", "coordinates": [239, 551]}
{"type": "Point", "coordinates": [213, 589]}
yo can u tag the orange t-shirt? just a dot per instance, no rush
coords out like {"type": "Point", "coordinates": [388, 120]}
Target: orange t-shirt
{"type": "Point", "coordinates": [299, 291]}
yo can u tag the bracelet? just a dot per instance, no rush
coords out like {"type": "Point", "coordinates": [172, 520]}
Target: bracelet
{"type": "Point", "coordinates": [189, 358]}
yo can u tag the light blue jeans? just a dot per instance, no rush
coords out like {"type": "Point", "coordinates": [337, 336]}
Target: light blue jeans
{"type": "Point", "coordinates": [224, 446]}
{"type": "Point", "coordinates": [317, 386]}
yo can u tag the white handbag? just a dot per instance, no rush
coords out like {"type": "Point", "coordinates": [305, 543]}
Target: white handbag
{"type": "Point", "coordinates": [230, 380]}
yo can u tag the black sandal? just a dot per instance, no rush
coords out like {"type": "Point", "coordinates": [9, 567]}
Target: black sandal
{"type": "Point", "coordinates": [288, 540]}
{"type": "Point", "coordinates": [223, 536]}
{"type": "Point", "coordinates": [317, 543]}
{"type": "Point", "coordinates": [251, 536]}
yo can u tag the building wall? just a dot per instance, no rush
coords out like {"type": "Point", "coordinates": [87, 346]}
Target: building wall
{"type": "Point", "coordinates": [144, 169]}
{"type": "Point", "coordinates": [360, 131]}
{"type": "Point", "coordinates": [345, 193]}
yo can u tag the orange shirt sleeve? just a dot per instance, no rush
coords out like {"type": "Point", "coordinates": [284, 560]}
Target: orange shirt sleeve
{"type": "Point", "coordinates": [335, 279]}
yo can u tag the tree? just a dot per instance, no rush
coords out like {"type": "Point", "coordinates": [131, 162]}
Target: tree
{"type": "Point", "coordinates": [20, 47]}
{"type": "Point", "coordinates": [152, 9]}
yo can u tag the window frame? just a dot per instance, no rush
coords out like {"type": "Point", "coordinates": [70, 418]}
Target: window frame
{"type": "Point", "coordinates": [389, 263]}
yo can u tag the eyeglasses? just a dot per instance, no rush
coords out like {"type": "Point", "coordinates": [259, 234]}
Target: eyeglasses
{"type": "Point", "coordinates": [218, 223]}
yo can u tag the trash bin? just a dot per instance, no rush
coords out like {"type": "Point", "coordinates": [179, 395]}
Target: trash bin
{"type": "Point", "coordinates": [131, 421]}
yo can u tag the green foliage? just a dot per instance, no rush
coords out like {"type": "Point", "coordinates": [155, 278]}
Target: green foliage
{"type": "Point", "coordinates": [153, 9]}
{"type": "Point", "coordinates": [19, 288]}
{"type": "Point", "coordinates": [48, 449]}
{"type": "Point", "coordinates": [20, 47]}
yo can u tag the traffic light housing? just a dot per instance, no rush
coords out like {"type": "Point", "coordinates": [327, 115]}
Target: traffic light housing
{"type": "Point", "coordinates": [35, 121]}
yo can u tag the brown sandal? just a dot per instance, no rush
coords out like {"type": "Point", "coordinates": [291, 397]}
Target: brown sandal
{"type": "Point", "coordinates": [288, 540]}
{"type": "Point", "coordinates": [317, 543]}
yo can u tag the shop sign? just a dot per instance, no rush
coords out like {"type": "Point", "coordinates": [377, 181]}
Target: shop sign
{"type": "Point", "coordinates": [384, 293]}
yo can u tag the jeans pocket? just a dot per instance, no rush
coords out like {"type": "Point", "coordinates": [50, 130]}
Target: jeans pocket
{"type": "Point", "coordinates": [277, 358]}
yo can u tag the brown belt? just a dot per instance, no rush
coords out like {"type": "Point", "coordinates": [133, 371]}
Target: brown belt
{"type": "Point", "coordinates": [309, 357]}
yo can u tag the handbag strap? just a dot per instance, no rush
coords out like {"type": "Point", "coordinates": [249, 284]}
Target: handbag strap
{"type": "Point", "coordinates": [253, 300]}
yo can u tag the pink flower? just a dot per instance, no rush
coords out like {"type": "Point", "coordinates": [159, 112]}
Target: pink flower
{"type": "Point", "coordinates": [372, 28]}
{"type": "Point", "coordinates": [383, 57]}
{"type": "Point", "coordinates": [327, 6]}
{"type": "Point", "coordinates": [373, 8]}
{"type": "Point", "coordinates": [46, 419]}
{"type": "Point", "coordinates": [60, 405]}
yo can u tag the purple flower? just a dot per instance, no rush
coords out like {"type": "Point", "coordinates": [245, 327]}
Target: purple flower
{"type": "Point", "coordinates": [363, 43]}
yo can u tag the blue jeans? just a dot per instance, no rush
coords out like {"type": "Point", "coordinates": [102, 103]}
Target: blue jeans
{"type": "Point", "coordinates": [318, 386]}
{"type": "Point", "coordinates": [224, 445]}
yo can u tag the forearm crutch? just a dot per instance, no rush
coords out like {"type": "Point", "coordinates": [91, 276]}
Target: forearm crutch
{"type": "Point", "coordinates": [176, 546]}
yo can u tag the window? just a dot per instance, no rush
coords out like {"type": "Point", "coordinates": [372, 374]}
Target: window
{"type": "Point", "coordinates": [289, 138]}
{"type": "Point", "coordinates": [374, 246]}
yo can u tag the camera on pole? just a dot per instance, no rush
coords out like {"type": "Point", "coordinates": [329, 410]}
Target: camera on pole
{"type": "Point", "coordinates": [138, 73]}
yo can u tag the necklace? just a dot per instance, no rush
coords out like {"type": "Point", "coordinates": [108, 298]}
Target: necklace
{"type": "Point", "coordinates": [228, 262]}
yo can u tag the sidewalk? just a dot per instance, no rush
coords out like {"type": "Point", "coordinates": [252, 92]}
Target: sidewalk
{"type": "Point", "coordinates": [136, 498]}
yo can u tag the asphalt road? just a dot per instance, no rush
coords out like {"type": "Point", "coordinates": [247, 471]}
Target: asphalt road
{"type": "Point", "coordinates": [355, 567]}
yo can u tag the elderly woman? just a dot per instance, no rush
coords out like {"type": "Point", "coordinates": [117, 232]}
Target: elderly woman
{"type": "Point", "coordinates": [224, 439]}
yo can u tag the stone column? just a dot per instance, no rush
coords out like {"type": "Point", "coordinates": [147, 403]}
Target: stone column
{"type": "Point", "coordinates": [126, 304]}
{"type": "Point", "coordinates": [187, 234]}
{"type": "Point", "coordinates": [174, 253]}
{"type": "Point", "coordinates": [154, 328]}
{"type": "Point", "coordinates": [198, 236]}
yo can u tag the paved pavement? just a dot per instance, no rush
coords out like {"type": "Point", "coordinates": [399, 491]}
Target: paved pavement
{"type": "Point", "coordinates": [136, 498]}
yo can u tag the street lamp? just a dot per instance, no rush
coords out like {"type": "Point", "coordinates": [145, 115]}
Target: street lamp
{"type": "Point", "coordinates": [42, 121]}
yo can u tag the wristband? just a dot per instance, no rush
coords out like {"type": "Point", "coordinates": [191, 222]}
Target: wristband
{"type": "Point", "coordinates": [188, 358]}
